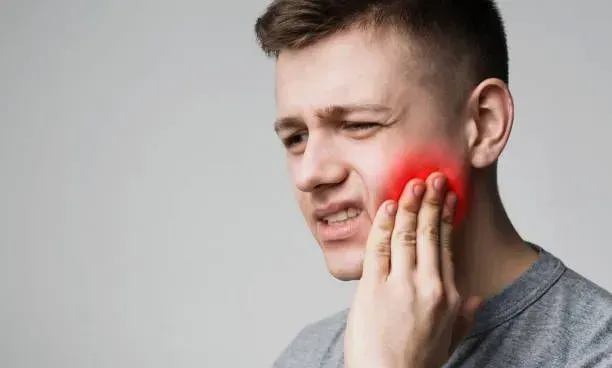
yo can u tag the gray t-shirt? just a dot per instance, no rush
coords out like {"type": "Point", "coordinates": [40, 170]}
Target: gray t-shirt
{"type": "Point", "coordinates": [549, 317]}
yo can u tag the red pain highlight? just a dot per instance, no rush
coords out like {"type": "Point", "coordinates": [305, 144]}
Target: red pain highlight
{"type": "Point", "coordinates": [422, 163]}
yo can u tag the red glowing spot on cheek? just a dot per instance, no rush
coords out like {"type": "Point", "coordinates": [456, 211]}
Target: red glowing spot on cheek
{"type": "Point", "coordinates": [422, 163]}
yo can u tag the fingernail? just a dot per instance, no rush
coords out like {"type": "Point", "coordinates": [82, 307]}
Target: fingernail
{"type": "Point", "coordinates": [418, 189]}
{"type": "Point", "coordinates": [439, 182]}
{"type": "Point", "coordinates": [391, 208]}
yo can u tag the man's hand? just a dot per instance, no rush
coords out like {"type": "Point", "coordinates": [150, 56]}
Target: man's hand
{"type": "Point", "coordinates": [406, 304]}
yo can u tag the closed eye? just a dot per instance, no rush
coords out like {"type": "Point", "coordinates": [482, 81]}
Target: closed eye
{"type": "Point", "coordinates": [360, 126]}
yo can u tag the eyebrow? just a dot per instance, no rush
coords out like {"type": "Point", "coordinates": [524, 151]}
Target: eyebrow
{"type": "Point", "coordinates": [332, 111]}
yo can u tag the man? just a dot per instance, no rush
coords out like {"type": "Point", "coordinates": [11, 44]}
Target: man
{"type": "Point", "coordinates": [360, 84]}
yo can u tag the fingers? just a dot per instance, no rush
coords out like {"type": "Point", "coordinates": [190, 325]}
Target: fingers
{"type": "Point", "coordinates": [377, 257]}
{"type": "Point", "coordinates": [446, 229]}
{"type": "Point", "coordinates": [404, 237]}
{"type": "Point", "coordinates": [428, 228]}
{"type": "Point", "coordinates": [414, 234]}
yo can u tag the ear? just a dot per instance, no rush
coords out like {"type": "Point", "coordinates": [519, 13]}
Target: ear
{"type": "Point", "coordinates": [490, 115]}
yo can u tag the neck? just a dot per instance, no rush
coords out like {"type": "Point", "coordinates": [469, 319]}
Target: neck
{"type": "Point", "coordinates": [489, 254]}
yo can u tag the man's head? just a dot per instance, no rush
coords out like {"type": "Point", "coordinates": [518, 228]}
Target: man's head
{"type": "Point", "coordinates": [360, 83]}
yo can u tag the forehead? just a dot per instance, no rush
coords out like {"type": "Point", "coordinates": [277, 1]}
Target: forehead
{"type": "Point", "coordinates": [349, 68]}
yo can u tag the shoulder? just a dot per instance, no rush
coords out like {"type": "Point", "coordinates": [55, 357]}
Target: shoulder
{"type": "Point", "coordinates": [587, 314]}
{"type": "Point", "coordinates": [583, 298]}
{"type": "Point", "coordinates": [313, 342]}
{"type": "Point", "coordinates": [551, 316]}
{"type": "Point", "coordinates": [565, 296]}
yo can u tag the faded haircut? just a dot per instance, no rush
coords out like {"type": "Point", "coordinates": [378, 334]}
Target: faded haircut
{"type": "Point", "coordinates": [460, 42]}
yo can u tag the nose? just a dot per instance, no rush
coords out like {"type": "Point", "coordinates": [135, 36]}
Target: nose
{"type": "Point", "coordinates": [321, 165]}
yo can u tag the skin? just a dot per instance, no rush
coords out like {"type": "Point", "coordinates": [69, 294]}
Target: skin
{"type": "Point", "coordinates": [335, 155]}
{"type": "Point", "coordinates": [408, 275]}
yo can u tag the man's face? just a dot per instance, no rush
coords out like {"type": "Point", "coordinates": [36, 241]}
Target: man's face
{"type": "Point", "coordinates": [346, 107]}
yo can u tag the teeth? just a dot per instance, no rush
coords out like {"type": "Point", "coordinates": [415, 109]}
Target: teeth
{"type": "Point", "coordinates": [342, 215]}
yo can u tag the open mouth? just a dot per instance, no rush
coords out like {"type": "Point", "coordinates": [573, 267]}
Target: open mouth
{"type": "Point", "coordinates": [341, 224]}
{"type": "Point", "coordinates": [342, 216]}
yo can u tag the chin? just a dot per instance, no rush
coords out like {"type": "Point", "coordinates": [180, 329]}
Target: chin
{"type": "Point", "coordinates": [344, 263]}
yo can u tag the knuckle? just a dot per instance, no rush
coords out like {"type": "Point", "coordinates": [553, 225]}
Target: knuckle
{"type": "Point", "coordinates": [384, 240]}
{"type": "Point", "coordinates": [433, 201]}
{"type": "Point", "coordinates": [382, 248]}
{"type": "Point", "coordinates": [447, 252]}
{"type": "Point", "coordinates": [407, 237]}
{"type": "Point", "coordinates": [385, 226]}
{"type": "Point", "coordinates": [430, 231]}
{"type": "Point", "coordinates": [433, 294]}
{"type": "Point", "coordinates": [408, 205]}
{"type": "Point", "coordinates": [447, 217]}
{"type": "Point", "coordinates": [454, 300]}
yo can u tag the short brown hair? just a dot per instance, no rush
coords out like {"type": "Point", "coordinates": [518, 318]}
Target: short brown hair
{"type": "Point", "coordinates": [464, 41]}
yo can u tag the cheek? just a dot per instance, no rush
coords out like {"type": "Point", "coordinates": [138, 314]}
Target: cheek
{"type": "Point", "coordinates": [373, 169]}
{"type": "Point", "coordinates": [420, 164]}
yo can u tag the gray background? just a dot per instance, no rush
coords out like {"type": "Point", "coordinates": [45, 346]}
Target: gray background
{"type": "Point", "coordinates": [147, 218]}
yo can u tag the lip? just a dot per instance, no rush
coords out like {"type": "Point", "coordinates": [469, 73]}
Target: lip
{"type": "Point", "coordinates": [334, 207]}
{"type": "Point", "coordinates": [332, 232]}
